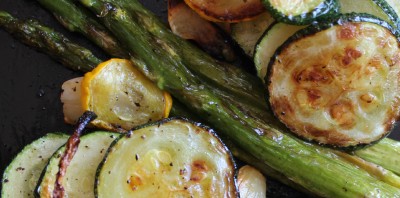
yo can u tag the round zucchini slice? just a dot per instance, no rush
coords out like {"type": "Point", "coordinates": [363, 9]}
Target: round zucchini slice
{"type": "Point", "coordinates": [171, 158]}
{"type": "Point", "coordinates": [337, 83]}
{"type": "Point", "coordinates": [21, 176]}
{"type": "Point", "coordinates": [301, 12]}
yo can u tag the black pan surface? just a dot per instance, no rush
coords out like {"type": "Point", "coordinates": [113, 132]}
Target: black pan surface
{"type": "Point", "coordinates": [30, 86]}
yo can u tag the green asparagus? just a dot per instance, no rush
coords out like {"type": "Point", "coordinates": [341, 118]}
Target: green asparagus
{"type": "Point", "coordinates": [50, 42]}
{"type": "Point", "coordinates": [77, 19]}
{"type": "Point", "coordinates": [386, 153]}
{"type": "Point", "coordinates": [171, 68]}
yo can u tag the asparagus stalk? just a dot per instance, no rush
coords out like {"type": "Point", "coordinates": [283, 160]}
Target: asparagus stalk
{"type": "Point", "coordinates": [386, 153]}
{"type": "Point", "coordinates": [293, 158]}
{"type": "Point", "coordinates": [50, 42]}
{"type": "Point", "coordinates": [77, 19]}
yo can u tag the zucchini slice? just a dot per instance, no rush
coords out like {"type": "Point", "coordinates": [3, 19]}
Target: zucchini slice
{"type": "Point", "coordinates": [247, 33]}
{"type": "Point", "coordinates": [21, 176]}
{"type": "Point", "coordinates": [393, 8]}
{"type": "Point", "coordinates": [170, 158]}
{"type": "Point", "coordinates": [80, 176]}
{"type": "Point", "coordinates": [337, 82]}
{"type": "Point", "coordinates": [300, 12]}
{"type": "Point", "coordinates": [265, 49]}
{"type": "Point", "coordinates": [378, 8]}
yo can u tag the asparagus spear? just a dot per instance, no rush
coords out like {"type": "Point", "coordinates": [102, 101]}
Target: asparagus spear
{"type": "Point", "coordinates": [50, 42]}
{"type": "Point", "coordinates": [386, 153]}
{"type": "Point", "coordinates": [77, 19]}
{"type": "Point", "coordinates": [293, 158]}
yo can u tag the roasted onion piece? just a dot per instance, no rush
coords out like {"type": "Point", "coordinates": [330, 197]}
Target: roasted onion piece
{"type": "Point", "coordinates": [187, 24]}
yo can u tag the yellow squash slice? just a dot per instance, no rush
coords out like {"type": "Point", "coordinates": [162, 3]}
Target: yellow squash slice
{"type": "Point", "coordinates": [122, 96]}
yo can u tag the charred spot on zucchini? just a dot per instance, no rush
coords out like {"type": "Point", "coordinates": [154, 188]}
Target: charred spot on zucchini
{"type": "Point", "coordinates": [173, 157]}
{"type": "Point", "coordinates": [78, 180]}
{"type": "Point", "coordinates": [300, 12]}
{"type": "Point", "coordinates": [337, 82]}
{"type": "Point", "coordinates": [20, 177]}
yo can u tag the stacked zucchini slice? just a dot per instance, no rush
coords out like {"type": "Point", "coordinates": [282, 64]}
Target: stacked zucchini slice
{"type": "Point", "coordinates": [173, 157]}
{"type": "Point", "coordinates": [333, 77]}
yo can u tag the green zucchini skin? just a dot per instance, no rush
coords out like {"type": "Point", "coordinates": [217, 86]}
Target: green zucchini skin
{"type": "Point", "coordinates": [266, 46]}
{"type": "Point", "coordinates": [203, 128]}
{"type": "Point", "coordinates": [317, 27]}
{"type": "Point", "coordinates": [326, 8]}
{"type": "Point", "coordinates": [392, 12]}
{"type": "Point", "coordinates": [21, 175]}
{"type": "Point", "coordinates": [81, 171]}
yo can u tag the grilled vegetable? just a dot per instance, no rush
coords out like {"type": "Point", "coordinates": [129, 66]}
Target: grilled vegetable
{"type": "Point", "coordinates": [120, 95]}
{"type": "Point", "coordinates": [265, 49]}
{"type": "Point", "coordinates": [346, 92]}
{"type": "Point", "coordinates": [392, 8]}
{"type": "Point", "coordinates": [378, 8]}
{"type": "Point", "coordinates": [76, 19]}
{"type": "Point", "coordinates": [20, 177]}
{"type": "Point", "coordinates": [70, 149]}
{"type": "Point", "coordinates": [386, 154]}
{"type": "Point", "coordinates": [227, 10]}
{"type": "Point", "coordinates": [170, 158]}
{"type": "Point", "coordinates": [71, 99]}
{"type": "Point", "coordinates": [80, 175]}
{"type": "Point", "coordinates": [300, 12]}
{"type": "Point", "coordinates": [150, 40]}
{"type": "Point", "coordinates": [395, 5]}
{"type": "Point", "coordinates": [251, 183]}
{"type": "Point", "coordinates": [187, 24]}
{"type": "Point", "coordinates": [47, 40]}
{"type": "Point", "coordinates": [247, 33]}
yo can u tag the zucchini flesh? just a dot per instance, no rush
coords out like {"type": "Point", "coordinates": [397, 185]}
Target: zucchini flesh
{"type": "Point", "coordinates": [377, 8]}
{"type": "Point", "coordinates": [274, 37]}
{"type": "Point", "coordinates": [340, 85]}
{"type": "Point", "coordinates": [247, 33]}
{"type": "Point", "coordinates": [395, 4]}
{"type": "Point", "coordinates": [300, 12]}
{"type": "Point", "coordinates": [79, 178]}
{"type": "Point", "coordinates": [172, 158]}
{"type": "Point", "coordinates": [392, 7]}
{"type": "Point", "coordinates": [21, 176]}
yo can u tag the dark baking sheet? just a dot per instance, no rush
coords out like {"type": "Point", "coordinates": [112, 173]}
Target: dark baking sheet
{"type": "Point", "coordinates": [30, 87]}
